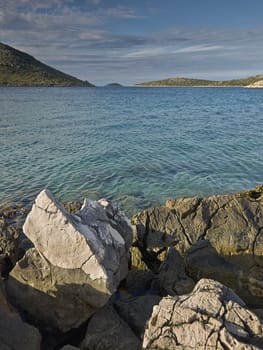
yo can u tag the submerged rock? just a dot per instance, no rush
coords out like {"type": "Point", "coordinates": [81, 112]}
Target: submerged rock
{"type": "Point", "coordinates": [77, 263]}
{"type": "Point", "coordinates": [211, 317]}
{"type": "Point", "coordinates": [233, 226]}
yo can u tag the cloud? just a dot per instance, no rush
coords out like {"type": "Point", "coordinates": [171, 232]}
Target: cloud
{"type": "Point", "coordinates": [81, 40]}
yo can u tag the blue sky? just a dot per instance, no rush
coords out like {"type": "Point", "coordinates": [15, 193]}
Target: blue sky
{"type": "Point", "coordinates": [131, 41]}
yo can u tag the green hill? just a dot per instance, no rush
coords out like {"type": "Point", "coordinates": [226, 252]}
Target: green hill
{"type": "Point", "coordinates": [201, 82]}
{"type": "Point", "coordinates": [20, 69]}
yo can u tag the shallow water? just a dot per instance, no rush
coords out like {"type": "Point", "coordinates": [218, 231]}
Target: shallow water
{"type": "Point", "coordinates": [137, 146]}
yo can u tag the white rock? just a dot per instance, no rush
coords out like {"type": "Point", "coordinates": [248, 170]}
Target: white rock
{"type": "Point", "coordinates": [211, 317]}
{"type": "Point", "coordinates": [77, 263]}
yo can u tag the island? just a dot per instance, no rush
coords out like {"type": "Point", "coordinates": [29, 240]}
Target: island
{"type": "Point", "coordinates": [17, 68]}
{"type": "Point", "coordinates": [253, 81]}
{"type": "Point", "coordinates": [114, 85]}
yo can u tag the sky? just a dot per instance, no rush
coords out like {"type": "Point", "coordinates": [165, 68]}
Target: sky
{"type": "Point", "coordinates": [132, 41]}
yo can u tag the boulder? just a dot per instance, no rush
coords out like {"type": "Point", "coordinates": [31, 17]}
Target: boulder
{"type": "Point", "coordinates": [107, 331]}
{"type": "Point", "coordinates": [77, 263]}
{"type": "Point", "coordinates": [14, 332]}
{"type": "Point", "coordinates": [232, 224]}
{"type": "Point", "coordinates": [211, 317]}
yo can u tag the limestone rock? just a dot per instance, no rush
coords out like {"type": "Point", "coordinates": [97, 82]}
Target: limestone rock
{"type": "Point", "coordinates": [211, 317]}
{"type": "Point", "coordinates": [14, 332]}
{"type": "Point", "coordinates": [232, 224]}
{"type": "Point", "coordinates": [172, 277]}
{"type": "Point", "coordinates": [78, 261]}
{"type": "Point", "coordinates": [107, 331]}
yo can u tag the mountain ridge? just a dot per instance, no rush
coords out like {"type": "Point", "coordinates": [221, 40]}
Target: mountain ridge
{"type": "Point", "coordinates": [17, 68]}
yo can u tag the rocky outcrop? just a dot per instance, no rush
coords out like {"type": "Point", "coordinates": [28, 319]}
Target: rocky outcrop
{"type": "Point", "coordinates": [14, 332]}
{"type": "Point", "coordinates": [77, 263]}
{"type": "Point", "coordinates": [232, 224]}
{"type": "Point", "coordinates": [211, 317]}
{"type": "Point", "coordinates": [107, 331]}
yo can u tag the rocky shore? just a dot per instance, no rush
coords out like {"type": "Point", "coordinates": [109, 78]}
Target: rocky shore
{"type": "Point", "coordinates": [184, 275]}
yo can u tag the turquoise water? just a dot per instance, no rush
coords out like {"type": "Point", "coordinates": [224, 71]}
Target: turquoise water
{"type": "Point", "coordinates": [137, 146]}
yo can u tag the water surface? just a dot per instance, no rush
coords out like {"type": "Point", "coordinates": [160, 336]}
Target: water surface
{"type": "Point", "coordinates": [137, 146]}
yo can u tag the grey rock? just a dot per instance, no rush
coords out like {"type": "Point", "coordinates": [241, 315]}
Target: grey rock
{"type": "Point", "coordinates": [14, 332]}
{"type": "Point", "coordinates": [232, 224]}
{"type": "Point", "coordinates": [77, 263]}
{"type": "Point", "coordinates": [107, 331]}
{"type": "Point", "coordinates": [211, 317]}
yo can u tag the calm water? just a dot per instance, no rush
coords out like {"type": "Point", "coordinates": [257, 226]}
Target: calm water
{"type": "Point", "coordinates": [137, 146]}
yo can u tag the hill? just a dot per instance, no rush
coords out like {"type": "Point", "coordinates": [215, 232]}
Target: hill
{"type": "Point", "coordinates": [20, 69]}
{"type": "Point", "coordinates": [201, 82]}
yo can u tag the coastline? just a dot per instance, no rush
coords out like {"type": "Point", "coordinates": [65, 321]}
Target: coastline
{"type": "Point", "coordinates": [187, 249]}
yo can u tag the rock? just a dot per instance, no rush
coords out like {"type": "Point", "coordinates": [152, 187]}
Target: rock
{"type": "Point", "coordinates": [172, 277]}
{"type": "Point", "coordinates": [77, 263]}
{"type": "Point", "coordinates": [232, 224]}
{"type": "Point", "coordinates": [107, 331]}
{"type": "Point", "coordinates": [9, 246]}
{"type": "Point", "coordinates": [69, 347]}
{"type": "Point", "coordinates": [14, 332]}
{"type": "Point", "coordinates": [136, 311]}
{"type": "Point", "coordinates": [211, 317]}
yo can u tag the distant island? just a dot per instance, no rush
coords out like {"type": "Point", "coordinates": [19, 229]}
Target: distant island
{"type": "Point", "coordinates": [17, 68]}
{"type": "Point", "coordinates": [254, 81]}
{"type": "Point", "coordinates": [114, 85]}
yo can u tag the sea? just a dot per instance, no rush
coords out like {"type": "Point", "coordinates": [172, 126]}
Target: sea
{"type": "Point", "coordinates": [135, 146]}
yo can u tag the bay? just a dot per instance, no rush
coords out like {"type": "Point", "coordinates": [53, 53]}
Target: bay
{"type": "Point", "coordinates": [135, 146]}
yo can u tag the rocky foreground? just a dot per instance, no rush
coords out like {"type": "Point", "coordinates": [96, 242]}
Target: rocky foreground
{"type": "Point", "coordinates": [185, 275]}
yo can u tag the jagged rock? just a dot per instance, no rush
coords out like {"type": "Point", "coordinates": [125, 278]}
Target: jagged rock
{"type": "Point", "coordinates": [78, 261]}
{"type": "Point", "coordinates": [136, 311]}
{"type": "Point", "coordinates": [14, 333]}
{"type": "Point", "coordinates": [211, 317]}
{"type": "Point", "coordinates": [233, 224]}
{"type": "Point", "coordinates": [172, 277]}
{"type": "Point", "coordinates": [107, 331]}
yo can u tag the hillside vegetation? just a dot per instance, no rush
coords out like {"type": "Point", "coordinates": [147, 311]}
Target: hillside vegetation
{"type": "Point", "coordinates": [20, 69]}
{"type": "Point", "coordinates": [201, 82]}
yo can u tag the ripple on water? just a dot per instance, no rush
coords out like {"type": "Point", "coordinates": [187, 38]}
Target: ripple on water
{"type": "Point", "coordinates": [137, 147]}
